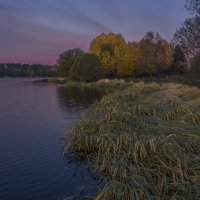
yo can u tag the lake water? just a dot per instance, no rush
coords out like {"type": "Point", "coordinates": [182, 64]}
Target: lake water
{"type": "Point", "coordinates": [33, 117]}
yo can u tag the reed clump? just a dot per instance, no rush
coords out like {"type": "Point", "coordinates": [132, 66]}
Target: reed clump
{"type": "Point", "coordinates": [143, 142]}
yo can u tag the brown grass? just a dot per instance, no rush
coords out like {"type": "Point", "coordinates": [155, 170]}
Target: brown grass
{"type": "Point", "coordinates": [143, 142]}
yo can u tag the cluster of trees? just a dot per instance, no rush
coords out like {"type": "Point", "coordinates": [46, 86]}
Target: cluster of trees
{"type": "Point", "coordinates": [79, 66]}
{"type": "Point", "coordinates": [110, 55]}
{"type": "Point", "coordinates": [152, 55]}
{"type": "Point", "coordinates": [22, 70]}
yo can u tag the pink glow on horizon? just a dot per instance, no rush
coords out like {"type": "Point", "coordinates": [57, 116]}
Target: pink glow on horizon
{"type": "Point", "coordinates": [48, 57]}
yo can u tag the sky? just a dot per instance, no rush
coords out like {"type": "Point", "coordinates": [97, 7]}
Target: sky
{"type": "Point", "coordinates": [37, 31]}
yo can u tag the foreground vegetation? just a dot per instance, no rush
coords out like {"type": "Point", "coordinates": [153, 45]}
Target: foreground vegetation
{"type": "Point", "coordinates": [142, 142]}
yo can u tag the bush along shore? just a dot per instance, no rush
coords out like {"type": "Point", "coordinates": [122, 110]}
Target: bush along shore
{"type": "Point", "coordinates": [142, 141]}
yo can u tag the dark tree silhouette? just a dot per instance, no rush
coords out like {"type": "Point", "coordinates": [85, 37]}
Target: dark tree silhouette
{"type": "Point", "coordinates": [188, 36]}
{"type": "Point", "coordinates": [87, 68]}
{"type": "Point", "coordinates": [67, 59]}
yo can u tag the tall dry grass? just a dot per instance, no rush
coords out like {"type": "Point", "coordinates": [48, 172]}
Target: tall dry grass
{"type": "Point", "coordinates": [143, 142]}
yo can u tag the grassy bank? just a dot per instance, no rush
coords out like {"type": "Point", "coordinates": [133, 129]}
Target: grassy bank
{"type": "Point", "coordinates": [122, 83]}
{"type": "Point", "coordinates": [106, 84]}
{"type": "Point", "coordinates": [143, 142]}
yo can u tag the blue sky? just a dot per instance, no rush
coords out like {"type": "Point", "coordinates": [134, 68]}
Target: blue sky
{"type": "Point", "coordinates": [37, 31]}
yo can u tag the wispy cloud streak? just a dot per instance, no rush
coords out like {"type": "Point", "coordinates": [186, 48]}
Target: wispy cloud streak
{"type": "Point", "coordinates": [40, 30]}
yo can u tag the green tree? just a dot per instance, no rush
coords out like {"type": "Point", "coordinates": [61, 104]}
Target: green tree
{"type": "Point", "coordinates": [110, 49]}
{"type": "Point", "coordinates": [179, 55]}
{"type": "Point", "coordinates": [86, 68]}
{"type": "Point", "coordinates": [67, 59]}
{"type": "Point", "coordinates": [180, 63]}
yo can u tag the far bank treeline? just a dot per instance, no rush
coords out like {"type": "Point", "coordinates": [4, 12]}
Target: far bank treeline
{"type": "Point", "coordinates": [111, 56]}
{"type": "Point", "coordinates": [24, 70]}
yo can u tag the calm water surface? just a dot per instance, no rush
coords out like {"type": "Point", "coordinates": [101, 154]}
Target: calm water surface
{"type": "Point", "coordinates": [33, 116]}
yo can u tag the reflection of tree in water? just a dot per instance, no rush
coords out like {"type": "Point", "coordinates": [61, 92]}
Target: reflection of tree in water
{"type": "Point", "coordinates": [72, 98]}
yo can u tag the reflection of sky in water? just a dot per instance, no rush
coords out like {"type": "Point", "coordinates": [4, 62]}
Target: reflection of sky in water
{"type": "Point", "coordinates": [32, 119]}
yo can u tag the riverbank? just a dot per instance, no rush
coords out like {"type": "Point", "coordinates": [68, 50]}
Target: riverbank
{"type": "Point", "coordinates": [105, 84]}
{"type": "Point", "coordinates": [142, 141]}
{"type": "Point", "coordinates": [122, 83]}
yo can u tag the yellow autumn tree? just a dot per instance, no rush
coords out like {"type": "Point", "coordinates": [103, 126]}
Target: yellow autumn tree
{"type": "Point", "coordinates": [155, 54]}
{"type": "Point", "coordinates": [129, 66]}
{"type": "Point", "coordinates": [110, 49]}
{"type": "Point", "coordinates": [164, 55]}
{"type": "Point", "coordinates": [147, 63]}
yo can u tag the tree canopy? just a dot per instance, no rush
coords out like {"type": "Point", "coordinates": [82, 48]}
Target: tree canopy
{"type": "Point", "coordinates": [188, 36]}
{"type": "Point", "coordinates": [193, 6]}
{"type": "Point", "coordinates": [110, 55]}
{"type": "Point", "coordinates": [86, 68]}
{"type": "Point", "coordinates": [67, 59]}
{"type": "Point", "coordinates": [109, 48]}
{"type": "Point", "coordinates": [164, 55]}
{"type": "Point", "coordinates": [129, 65]}
{"type": "Point", "coordinates": [155, 55]}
